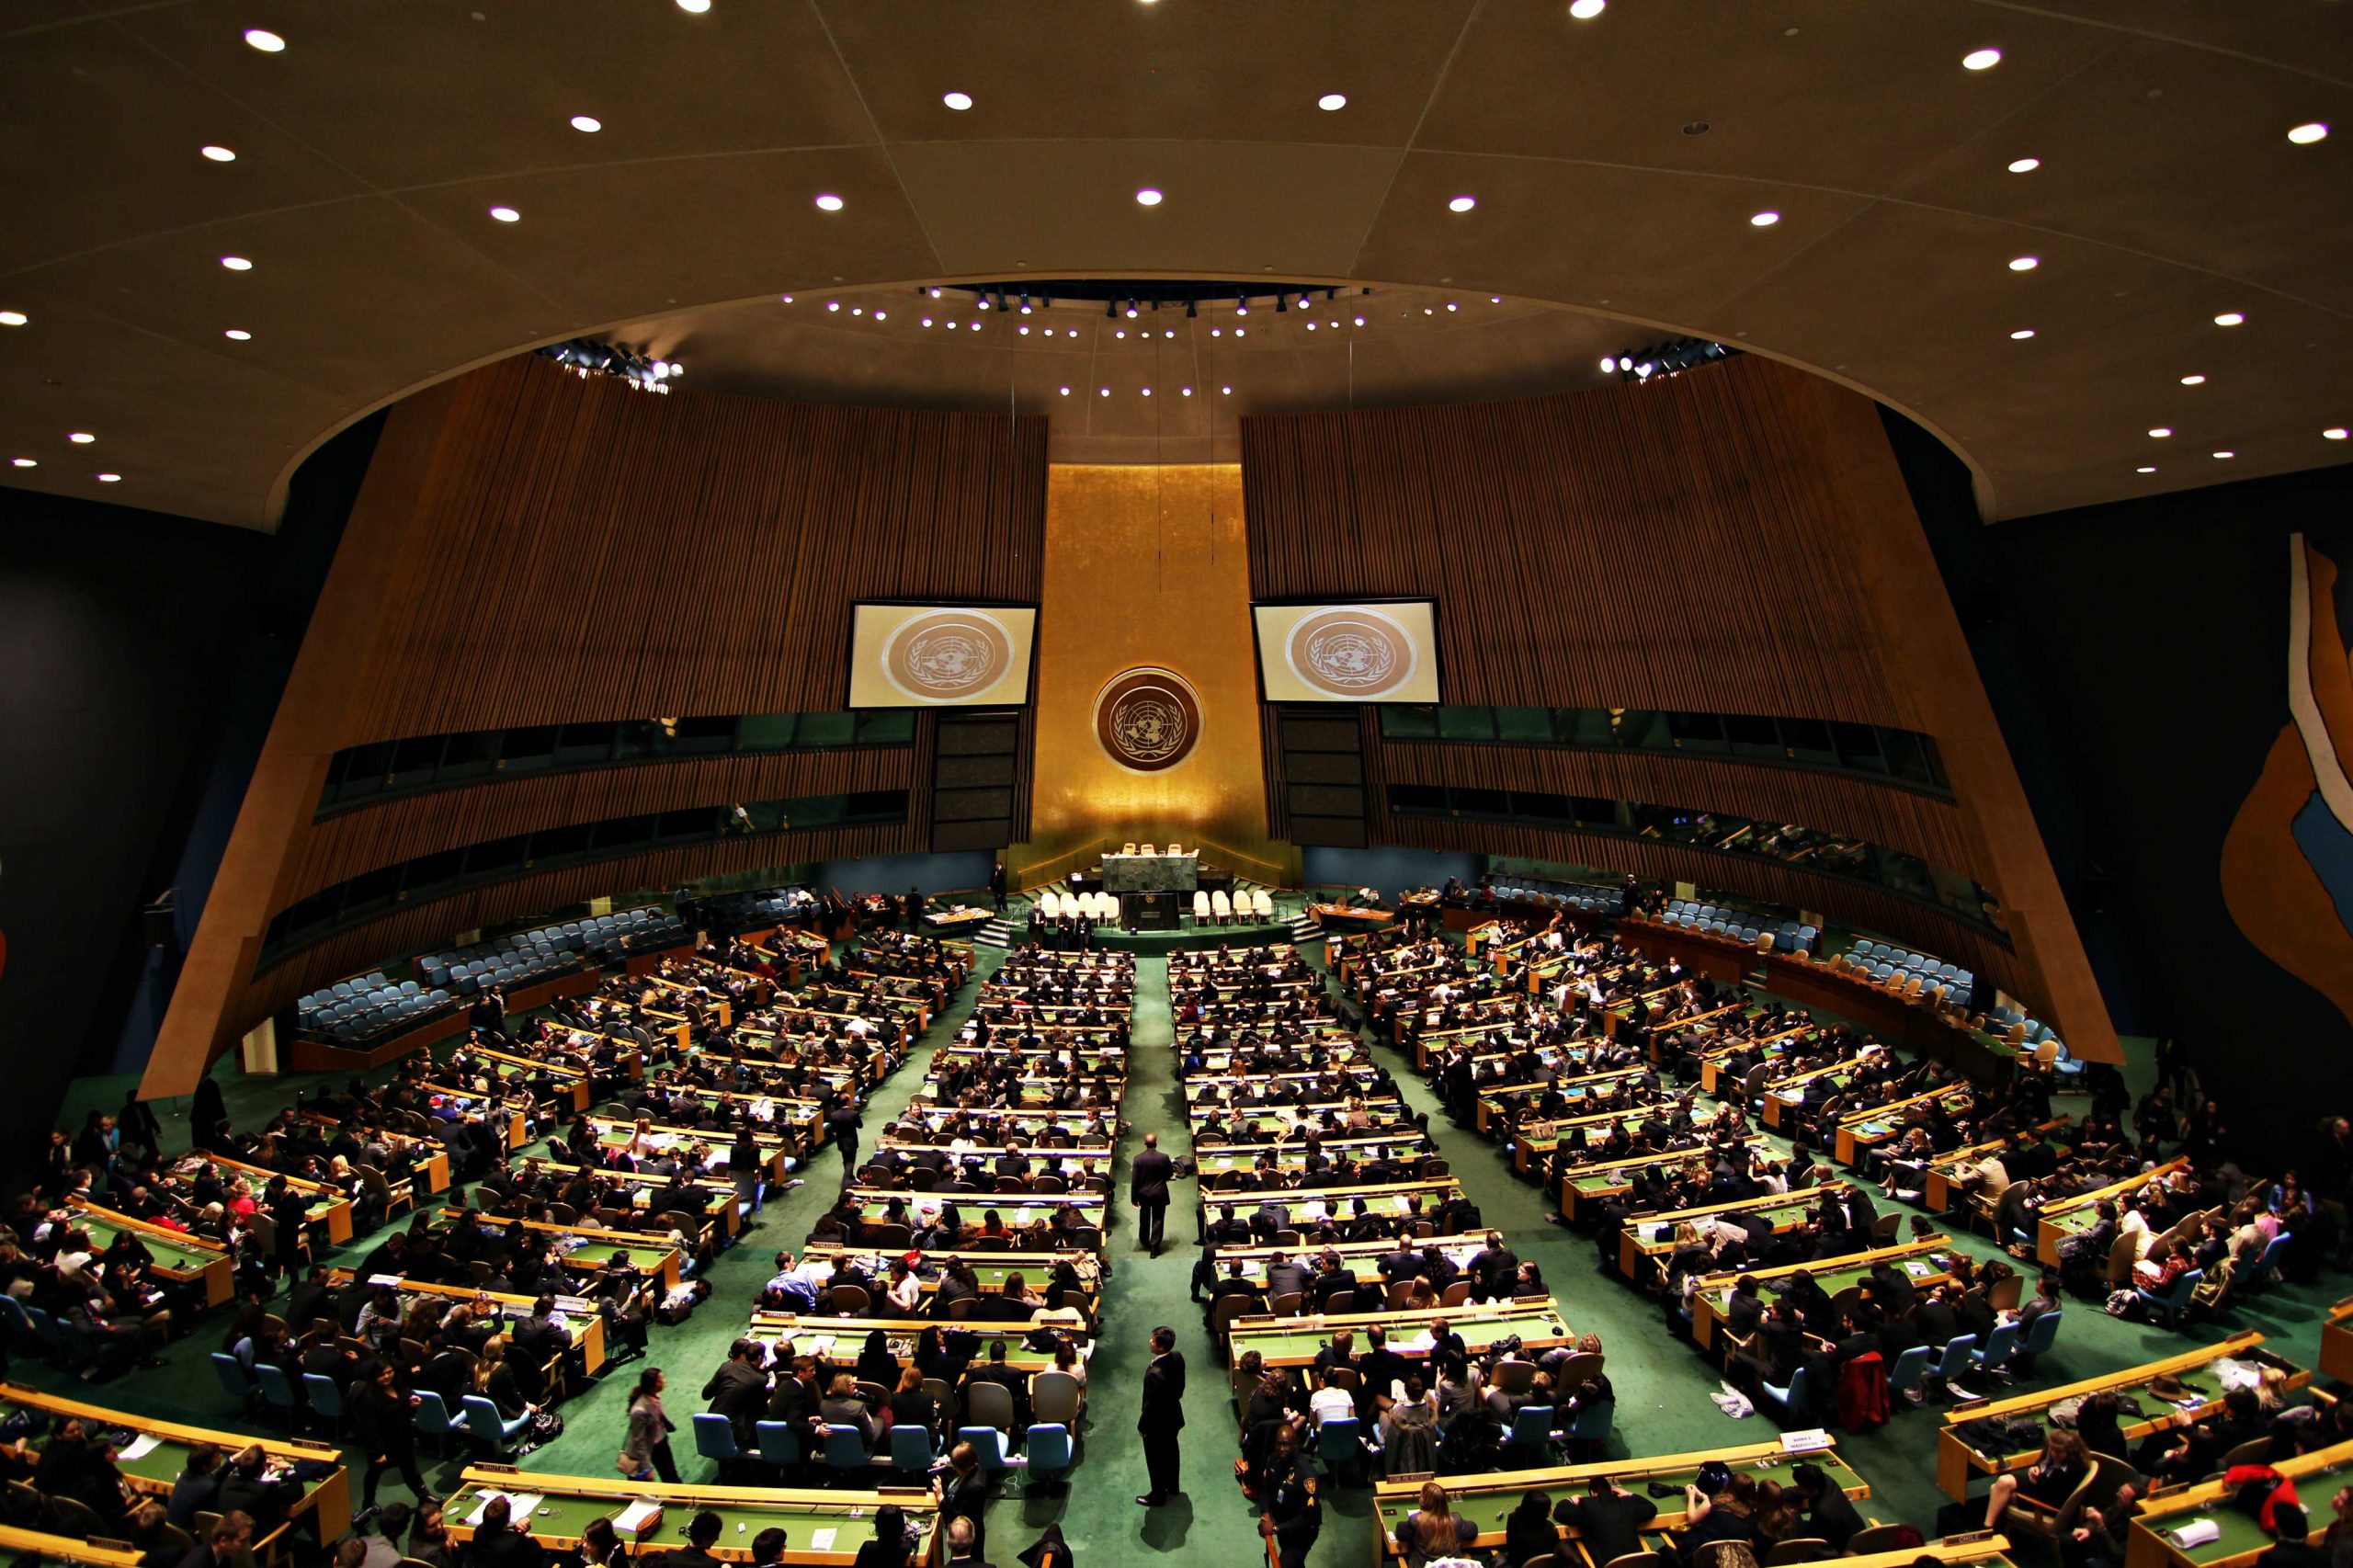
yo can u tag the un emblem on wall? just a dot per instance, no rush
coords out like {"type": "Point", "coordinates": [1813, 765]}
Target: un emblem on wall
{"type": "Point", "coordinates": [1354, 653]}
{"type": "Point", "coordinates": [1147, 720]}
{"type": "Point", "coordinates": [944, 655]}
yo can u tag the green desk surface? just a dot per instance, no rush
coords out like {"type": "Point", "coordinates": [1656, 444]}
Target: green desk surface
{"type": "Point", "coordinates": [567, 1517]}
{"type": "Point", "coordinates": [2073, 1220]}
{"type": "Point", "coordinates": [1489, 1509]}
{"type": "Point", "coordinates": [2201, 1383]}
{"type": "Point", "coordinates": [1653, 1231]}
{"type": "Point", "coordinates": [1864, 1132]}
{"type": "Point", "coordinates": [158, 1467]}
{"type": "Point", "coordinates": [1478, 1334]}
{"type": "Point", "coordinates": [1294, 1157]}
{"type": "Point", "coordinates": [814, 1338]}
{"type": "Point", "coordinates": [1834, 1281]}
{"type": "Point", "coordinates": [2241, 1535]}
{"type": "Point", "coordinates": [1085, 1206]}
{"type": "Point", "coordinates": [168, 1252]}
{"type": "Point", "coordinates": [599, 1253]}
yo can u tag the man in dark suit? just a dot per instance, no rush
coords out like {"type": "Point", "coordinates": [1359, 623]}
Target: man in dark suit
{"type": "Point", "coordinates": [1148, 1191]}
{"type": "Point", "coordinates": [1608, 1521]}
{"type": "Point", "coordinates": [1828, 1508]}
{"type": "Point", "coordinates": [739, 1390]}
{"type": "Point", "coordinates": [1162, 1417]}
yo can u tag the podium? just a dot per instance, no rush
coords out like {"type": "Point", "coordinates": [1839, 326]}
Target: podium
{"type": "Point", "coordinates": [1153, 911]}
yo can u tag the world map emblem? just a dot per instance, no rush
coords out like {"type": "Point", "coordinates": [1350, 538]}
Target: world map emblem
{"type": "Point", "coordinates": [1351, 651]}
{"type": "Point", "coordinates": [942, 655]}
{"type": "Point", "coordinates": [1147, 720]}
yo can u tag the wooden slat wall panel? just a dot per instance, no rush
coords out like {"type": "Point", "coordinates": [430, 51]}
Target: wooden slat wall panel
{"type": "Point", "coordinates": [1870, 908]}
{"type": "Point", "coordinates": [401, 829]}
{"type": "Point", "coordinates": [1901, 819]}
{"type": "Point", "coordinates": [427, 926]}
{"type": "Point", "coordinates": [1684, 546]}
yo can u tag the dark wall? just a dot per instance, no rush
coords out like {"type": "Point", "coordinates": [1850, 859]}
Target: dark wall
{"type": "Point", "coordinates": [2143, 646]}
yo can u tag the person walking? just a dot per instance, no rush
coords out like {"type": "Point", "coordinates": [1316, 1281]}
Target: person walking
{"type": "Point", "coordinates": [997, 886]}
{"type": "Point", "coordinates": [382, 1420]}
{"type": "Point", "coordinates": [647, 1447]}
{"type": "Point", "coordinates": [1161, 1419]}
{"type": "Point", "coordinates": [1148, 1180]}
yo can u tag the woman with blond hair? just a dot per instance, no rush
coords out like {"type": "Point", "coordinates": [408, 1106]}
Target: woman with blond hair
{"type": "Point", "coordinates": [2051, 1482]}
{"type": "Point", "coordinates": [1433, 1529]}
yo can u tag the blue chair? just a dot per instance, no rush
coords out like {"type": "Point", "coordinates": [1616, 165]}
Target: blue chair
{"type": "Point", "coordinates": [2264, 1269]}
{"type": "Point", "coordinates": [1907, 1374]}
{"type": "Point", "coordinates": [715, 1440]}
{"type": "Point", "coordinates": [911, 1449]}
{"type": "Point", "coordinates": [235, 1381]}
{"type": "Point", "coordinates": [326, 1400]}
{"type": "Point", "coordinates": [432, 1419]}
{"type": "Point", "coordinates": [1794, 1403]}
{"type": "Point", "coordinates": [277, 1388]}
{"type": "Point", "coordinates": [1340, 1445]}
{"type": "Point", "coordinates": [1049, 1453]}
{"type": "Point", "coordinates": [1532, 1431]}
{"type": "Point", "coordinates": [989, 1443]}
{"type": "Point", "coordinates": [2002, 1344]}
{"type": "Point", "coordinates": [2167, 1309]}
{"type": "Point", "coordinates": [779, 1445]}
{"type": "Point", "coordinates": [1961, 1354]}
{"type": "Point", "coordinates": [1591, 1424]}
{"type": "Point", "coordinates": [491, 1429]}
{"type": "Point", "coordinates": [845, 1449]}
{"type": "Point", "coordinates": [2040, 1336]}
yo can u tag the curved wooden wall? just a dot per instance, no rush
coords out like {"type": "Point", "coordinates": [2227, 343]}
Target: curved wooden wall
{"type": "Point", "coordinates": [1734, 540]}
{"type": "Point", "coordinates": [532, 548]}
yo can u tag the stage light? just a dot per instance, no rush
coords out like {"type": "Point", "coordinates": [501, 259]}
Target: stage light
{"type": "Point", "coordinates": [2160, 432]}
{"type": "Point", "coordinates": [1192, 308]}
{"type": "Point", "coordinates": [264, 39]}
{"type": "Point", "coordinates": [1283, 303]}
{"type": "Point", "coordinates": [2146, 468]}
{"type": "Point", "coordinates": [2226, 456]}
{"type": "Point", "coordinates": [25, 462]}
{"type": "Point", "coordinates": [1132, 310]}
{"type": "Point", "coordinates": [829, 202]}
{"type": "Point", "coordinates": [1586, 10]}
{"type": "Point", "coordinates": [1608, 363]}
{"type": "Point", "coordinates": [2334, 432]}
{"type": "Point", "coordinates": [219, 154]}
{"type": "Point", "coordinates": [694, 7]}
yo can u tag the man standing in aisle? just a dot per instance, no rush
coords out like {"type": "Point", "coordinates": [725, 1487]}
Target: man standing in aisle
{"type": "Point", "coordinates": [1161, 1419]}
{"type": "Point", "coordinates": [1148, 1191]}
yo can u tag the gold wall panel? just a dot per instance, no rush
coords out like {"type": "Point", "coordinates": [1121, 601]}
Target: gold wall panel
{"type": "Point", "coordinates": [1147, 566]}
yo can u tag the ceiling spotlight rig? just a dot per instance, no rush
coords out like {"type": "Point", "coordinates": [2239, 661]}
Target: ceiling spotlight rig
{"type": "Point", "coordinates": [1663, 359]}
{"type": "Point", "coordinates": [1129, 300]}
{"type": "Point", "coordinates": [588, 358]}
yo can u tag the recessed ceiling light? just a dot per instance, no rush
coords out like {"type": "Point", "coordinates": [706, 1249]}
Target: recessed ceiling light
{"type": "Point", "coordinates": [1147, 392]}
{"type": "Point", "coordinates": [881, 316]}
{"type": "Point", "coordinates": [219, 154]}
{"type": "Point", "coordinates": [12, 318]}
{"type": "Point", "coordinates": [1331, 101]}
{"type": "Point", "coordinates": [960, 102]}
{"type": "Point", "coordinates": [2022, 334]}
{"type": "Point", "coordinates": [2025, 165]}
{"type": "Point", "coordinates": [1462, 204]}
{"type": "Point", "coordinates": [829, 202]}
{"type": "Point", "coordinates": [2146, 468]}
{"type": "Point", "coordinates": [694, 7]}
{"type": "Point", "coordinates": [1608, 363]}
{"type": "Point", "coordinates": [1121, 333]}
{"type": "Point", "coordinates": [25, 462]}
{"type": "Point", "coordinates": [238, 334]}
{"type": "Point", "coordinates": [1360, 320]}
{"type": "Point", "coordinates": [587, 122]}
{"type": "Point", "coordinates": [1107, 392]}
{"type": "Point", "coordinates": [1147, 197]}
{"type": "Point", "coordinates": [236, 264]}
{"type": "Point", "coordinates": [2230, 318]}
{"type": "Point", "coordinates": [2306, 134]}
{"type": "Point", "coordinates": [1981, 60]}
{"type": "Point", "coordinates": [926, 321]}
{"type": "Point", "coordinates": [1586, 10]}
{"type": "Point", "coordinates": [1065, 392]}
{"type": "Point", "coordinates": [785, 298]}
{"type": "Point", "coordinates": [832, 304]}
{"type": "Point", "coordinates": [2161, 432]}
{"type": "Point", "coordinates": [266, 42]}
{"type": "Point", "coordinates": [2226, 455]}
{"type": "Point", "coordinates": [1765, 219]}
{"type": "Point", "coordinates": [2193, 381]}
{"type": "Point", "coordinates": [2024, 263]}
{"type": "Point", "coordinates": [81, 437]}
{"type": "Point", "coordinates": [2334, 432]}
{"type": "Point", "coordinates": [506, 214]}
{"type": "Point", "coordinates": [110, 479]}
{"type": "Point", "coordinates": [1227, 392]}
{"type": "Point", "coordinates": [858, 310]}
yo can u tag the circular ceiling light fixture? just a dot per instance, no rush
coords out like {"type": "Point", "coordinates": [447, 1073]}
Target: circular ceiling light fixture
{"type": "Point", "coordinates": [1981, 60]}
{"type": "Point", "coordinates": [1764, 219]}
{"type": "Point", "coordinates": [12, 318]}
{"type": "Point", "coordinates": [506, 214]}
{"type": "Point", "coordinates": [2024, 263]}
{"type": "Point", "coordinates": [2193, 381]}
{"type": "Point", "coordinates": [960, 102]}
{"type": "Point", "coordinates": [1331, 101]}
{"type": "Point", "coordinates": [588, 124]}
{"type": "Point", "coordinates": [828, 202]}
{"type": "Point", "coordinates": [2306, 134]}
{"type": "Point", "coordinates": [694, 7]}
{"type": "Point", "coordinates": [2025, 165]}
{"type": "Point", "coordinates": [264, 39]}
{"type": "Point", "coordinates": [236, 264]}
{"type": "Point", "coordinates": [2022, 334]}
{"type": "Point", "coordinates": [238, 334]}
{"type": "Point", "coordinates": [2230, 318]}
{"type": "Point", "coordinates": [1586, 10]}
{"type": "Point", "coordinates": [2334, 432]}
{"type": "Point", "coordinates": [2161, 432]}
{"type": "Point", "coordinates": [1462, 204]}
{"type": "Point", "coordinates": [1148, 196]}
{"type": "Point", "coordinates": [219, 154]}
{"type": "Point", "coordinates": [81, 437]}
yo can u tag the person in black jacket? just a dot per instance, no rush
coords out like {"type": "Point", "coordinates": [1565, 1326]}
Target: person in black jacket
{"type": "Point", "coordinates": [1148, 1179]}
{"type": "Point", "coordinates": [1829, 1513]}
{"type": "Point", "coordinates": [1162, 1417]}
{"type": "Point", "coordinates": [386, 1435]}
{"type": "Point", "coordinates": [1293, 1516]}
{"type": "Point", "coordinates": [1608, 1521]}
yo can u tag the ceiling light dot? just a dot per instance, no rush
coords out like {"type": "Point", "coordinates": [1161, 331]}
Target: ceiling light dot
{"type": "Point", "coordinates": [1495, 299]}
{"type": "Point", "coordinates": [2193, 381]}
{"type": "Point", "coordinates": [1024, 331]}
{"type": "Point", "coordinates": [1981, 60]}
{"type": "Point", "coordinates": [974, 326]}
{"type": "Point", "coordinates": [1107, 392]}
{"type": "Point", "coordinates": [2225, 456]}
{"type": "Point", "coordinates": [953, 325]}
{"type": "Point", "coordinates": [2306, 134]}
{"type": "Point", "coordinates": [694, 7]}
{"type": "Point", "coordinates": [2025, 263]}
{"type": "Point", "coordinates": [25, 462]}
{"type": "Point", "coordinates": [1148, 196]}
{"type": "Point", "coordinates": [2161, 432]}
{"type": "Point", "coordinates": [1216, 332]}
{"type": "Point", "coordinates": [506, 214]}
{"type": "Point", "coordinates": [785, 298]}
{"type": "Point", "coordinates": [926, 321]}
{"type": "Point", "coordinates": [238, 334]}
{"type": "Point", "coordinates": [1449, 304]}
{"type": "Point", "coordinates": [2022, 334]}
{"type": "Point", "coordinates": [2025, 165]}
{"type": "Point", "coordinates": [1462, 204]}
{"type": "Point", "coordinates": [588, 124]}
{"type": "Point", "coordinates": [960, 102]}
{"type": "Point", "coordinates": [1121, 333]}
{"type": "Point", "coordinates": [2334, 432]}
{"type": "Point", "coordinates": [264, 39]}
{"type": "Point", "coordinates": [2146, 468]}
{"type": "Point", "coordinates": [219, 154]}
{"type": "Point", "coordinates": [828, 202]}
{"type": "Point", "coordinates": [858, 310]}
{"type": "Point", "coordinates": [881, 316]}
{"type": "Point", "coordinates": [1586, 10]}
{"type": "Point", "coordinates": [236, 264]}
{"type": "Point", "coordinates": [1226, 391]}
{"type": "Point", "coordinates": [12, 318]}
{"type": "Point", "coordinates": [2230, 318]}
{"type": "Point", "coordinates": [1331, 101]}
{"type": "Point", "coordinates": [1240, 332]}
{"type": "Point", "coordinates": [110, 479]}
{"type": "Point", "coordinates": [832, 304]}
{"type": "Point", "coordinates": [81, 437]}
{"type": "Point", "coordinates": [1764, 219]}
{"type": "Point", "coordinates": [1147, 392]}
{"type": "Point", "coordinates": [1311, 326]}
{"type": "Point", "coordinates": [1065, 392]}
{"type": "Point", "coordinates": [1188, 391]}
{"type": "Point", "coordinates": [1360, 320]}
{"type": "Point", "coordinates": [1609, 364]}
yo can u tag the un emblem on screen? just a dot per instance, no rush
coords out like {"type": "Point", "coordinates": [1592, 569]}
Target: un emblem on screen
{"type": "Point", "coordinates": [1147, 720]}
{"type": "Point", "coordinates": [1353, 652]}
{"type": "Point", "coordinates": [944, 655]}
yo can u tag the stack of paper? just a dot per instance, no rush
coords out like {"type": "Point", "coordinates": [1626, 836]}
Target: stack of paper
{"type": "Point", "coordinates": [637, 1515]}
{"type": "Point", "coordinates": [821, 1541]}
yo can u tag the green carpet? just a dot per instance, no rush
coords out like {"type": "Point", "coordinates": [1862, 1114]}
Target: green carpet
{"type": "Point", "coordinates": [1662, 1384]}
